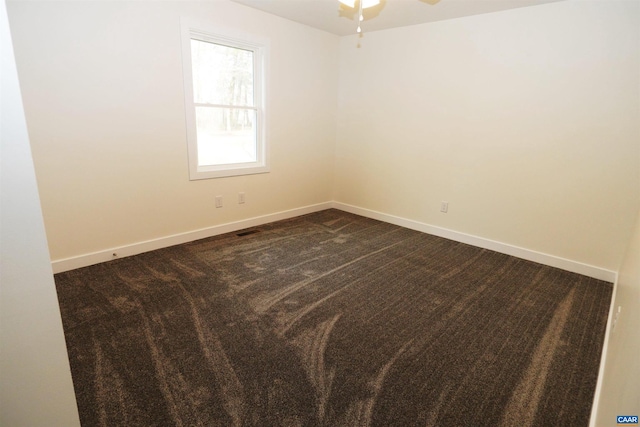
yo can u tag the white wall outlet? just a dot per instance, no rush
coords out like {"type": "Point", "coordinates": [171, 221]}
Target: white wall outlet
{"type": "Point", "coordinates": [444, 207]}
{"type": "Point", "coordinates": [218, 201]}
{"type": "Point", "coordinates": [241, 197]}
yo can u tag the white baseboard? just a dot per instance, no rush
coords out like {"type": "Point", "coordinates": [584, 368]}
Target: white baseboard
{"type": "Point", "coordinates": [603, 357]}
{"type": "Point", "coordinates": [66, 264]}
{"type": "Point", "coordinates": [85, 260]}
{"type": "Point", "coordinates": [530, 255]}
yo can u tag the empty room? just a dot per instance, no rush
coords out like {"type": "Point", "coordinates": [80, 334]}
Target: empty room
{"type": "Point", "coordinates": [320, 213]}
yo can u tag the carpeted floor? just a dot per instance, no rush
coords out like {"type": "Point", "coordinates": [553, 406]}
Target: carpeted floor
{"type": "Point", "coordinates": [332, 319]}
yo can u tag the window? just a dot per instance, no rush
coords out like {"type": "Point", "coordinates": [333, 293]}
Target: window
{"type": "Point", "coordinates": [224, 100]}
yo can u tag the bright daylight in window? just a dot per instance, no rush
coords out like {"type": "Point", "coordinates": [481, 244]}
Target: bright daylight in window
{"type": "Point", "coordinates": [223, 85]}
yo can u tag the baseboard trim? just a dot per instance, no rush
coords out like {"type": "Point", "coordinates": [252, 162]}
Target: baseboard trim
{"type": "Point", "coordinates": [603, 357]}
{"type": "Point", "coordinates": [85, 260]}
{"type": "Point", "coordinates": [530, 255]}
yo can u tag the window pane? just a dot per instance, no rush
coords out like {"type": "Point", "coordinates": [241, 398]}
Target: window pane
{"type": "Point", "coordinates": [222, 75]}
{"type": "Point", "coordinates": [225, 135]}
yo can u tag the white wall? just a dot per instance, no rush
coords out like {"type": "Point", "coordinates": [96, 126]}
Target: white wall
{"type": "Point", "coordinates": [525, 121]}
{"type": "Point", "coordinates": [103, 94]}
{"type": "Point", "coordinates": [35, 380]}
{"type": "Point", "coordinates": [620, 393]}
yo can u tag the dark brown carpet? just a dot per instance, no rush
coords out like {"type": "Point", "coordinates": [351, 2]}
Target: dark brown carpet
{"type": "Point", "coordinates": [332, 319]}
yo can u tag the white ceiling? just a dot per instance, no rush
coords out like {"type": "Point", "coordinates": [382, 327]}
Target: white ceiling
{"type": "Point", "coordinates": [327, 15]}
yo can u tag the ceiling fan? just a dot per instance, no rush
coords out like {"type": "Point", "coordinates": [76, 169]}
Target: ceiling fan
{"type": "Point", "coordinates": [348, 8]}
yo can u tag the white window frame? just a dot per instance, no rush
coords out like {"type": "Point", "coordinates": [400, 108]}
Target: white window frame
{"type": "Point", "coordinates": [259, 47]}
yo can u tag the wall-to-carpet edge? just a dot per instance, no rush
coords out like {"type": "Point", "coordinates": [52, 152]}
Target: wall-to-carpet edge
{"type": "Point", "coordinates": [332, 319]}
{"type": "Point", "coordinates": [85, 260]}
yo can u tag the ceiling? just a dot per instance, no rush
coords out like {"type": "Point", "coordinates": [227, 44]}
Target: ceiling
{"type": "Point", "coordinates": [329, 16]}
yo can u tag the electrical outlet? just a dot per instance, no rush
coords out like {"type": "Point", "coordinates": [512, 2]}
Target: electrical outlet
{"type": "Point", "coordinates": [218, 201]}
{"type": "Point", "coordinates": [444, 207]}
{"type": "Point", "coordinates": [241, 197]}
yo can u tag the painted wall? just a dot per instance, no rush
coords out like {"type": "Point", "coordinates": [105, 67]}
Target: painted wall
{"type": "Point", "coordinates": [103, 93]}
{"type": "Point", "coordinates": [620, 389]}
{"type": "Point", "coordinates": [35, 379]}
{"type": "Point", "coordinates": [525, 121]}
